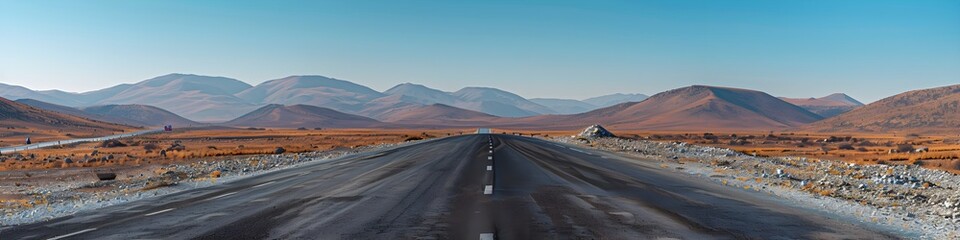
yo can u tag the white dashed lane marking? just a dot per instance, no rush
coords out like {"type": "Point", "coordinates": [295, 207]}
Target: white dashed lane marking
{"type": "Point", "coordinates": [221, 196]}
{"type": "Point", "coordinates": [158, 212]}
{"type": "Point", "coordinates": [490, 158]}
{"type": "Point", "coordinates": [487, 190]}
{"type": "Point", "coordinates": [489, 168]}
{"type": "Point", "coordinates": [263, 184]}
{"type": "Point", "coordinates": [486, 236]}
{"type": "Point", "coordinates": [73, 234]}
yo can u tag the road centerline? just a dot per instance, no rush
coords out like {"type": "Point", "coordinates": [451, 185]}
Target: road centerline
{"type": "Point", "coordinates": [73, 234]}
{"type": "Point", "coordinates": [221, 196]}
{"type": "Point", "coordinates": [159, 212]}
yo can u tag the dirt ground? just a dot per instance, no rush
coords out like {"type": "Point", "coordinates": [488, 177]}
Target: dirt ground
{"type": "Point", "coordinates": [15, 136]}
{"type": "Point", "coordinates": [194, 144]}
{"type": "Point", "coordinates": [931, 151]}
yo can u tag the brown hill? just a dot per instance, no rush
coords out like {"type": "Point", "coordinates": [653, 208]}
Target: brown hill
{"type": "Point", "coordinates": [296, 116]}
{"type": "Point", "coordinates": [439, 115]}
{"type": "Point", "coordinates": [127, 114]}
{"type": "Point", "coordinates": [829, 106]}
{"type": "Point", "coordinates": [920, 111]}
{"type": "Point", "coordinates": [20, 121]}
{"type": "Point", "coordinates": [689, 108]}
{"type": "Point", "coordinates": [140, 115]}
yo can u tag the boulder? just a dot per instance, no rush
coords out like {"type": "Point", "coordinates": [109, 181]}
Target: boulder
{"type": "Point", "coordinates": [106, 176]}
{"type": "Point", "coordinates": [596, 131]}
{"type": "Point", "coordinates": [279, 150]}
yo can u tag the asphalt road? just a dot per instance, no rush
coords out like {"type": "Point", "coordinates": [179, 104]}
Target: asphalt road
{"type": "Point", "coordinates": [436, 189]}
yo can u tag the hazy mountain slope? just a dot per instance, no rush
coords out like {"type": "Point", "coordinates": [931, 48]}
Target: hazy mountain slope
{"type": "Point", "coordinates": [614, 99]}
{"type": "Point", "coordinates": [487, 100]}
{"type": "Point", "coordinates": [92, 97]}
{"type": "Point", "coordinates": [12, 92]}
{"type": "Point", "coordinates": [140, 115]}
{"type": "Point", "coordinates": [380, 107]}
{"type": "Point", "coordinates": [422, 94]}
{"type": "Point", "coordinates": [439, 115]}
{"type": "Point", "coordinates": [59, 108]}
{"type": "Point", "coordinates": [201, 98]}
{"type": "Point", "coordinates": [295, 116]}
{"type": "Point", "coordinates": [927, 110]}
{"type": "Point", "coordinates": [498, 102]}
{"type": "Point", "coordinates": [829, 106]}
{"type": "Point", "coordinates": [691, 108]}
{"type": "Point", "coordinates": [132, 114]}
{"type": "Point", "coordinates": [321, 91]}
{"type": "Point", "coordinates": [564, 106]}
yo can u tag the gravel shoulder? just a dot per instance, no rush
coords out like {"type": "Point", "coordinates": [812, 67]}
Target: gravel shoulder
{"type": "Point", "coordinates": [912, 201]}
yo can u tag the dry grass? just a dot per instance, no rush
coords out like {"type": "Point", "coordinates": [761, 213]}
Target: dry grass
{"type": "Point", "coordinates": [943, 151]}
{"type": "Point", "coordinates": [200, 144]}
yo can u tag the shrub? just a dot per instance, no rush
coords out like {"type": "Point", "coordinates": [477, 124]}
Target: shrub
{"type": "Point", "coordinates": [150, 147]}
{"type": "Point", "coordinates": [905, 148]}
{"type": "Point", "coordinates": [112, 144]}
{"type": "Point", "coordinates": [846, 146]}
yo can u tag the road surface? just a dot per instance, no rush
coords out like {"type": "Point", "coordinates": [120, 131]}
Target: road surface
{"type": "Point", "coordinates": [11, 149]}
{"type": "Point", "coordinates": [452, 188]}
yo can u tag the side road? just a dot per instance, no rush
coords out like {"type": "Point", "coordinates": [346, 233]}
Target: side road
{"type": "Point", "coordinates": [13, 149]}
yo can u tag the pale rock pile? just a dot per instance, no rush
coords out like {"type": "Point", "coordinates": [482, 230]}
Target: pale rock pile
{"type": "Point", "coordinates": [596, 131]}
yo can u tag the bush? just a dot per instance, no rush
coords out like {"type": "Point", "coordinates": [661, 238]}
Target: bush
{"type": "Point", "coordinates": [862, 149]}
{"type": "Point", "coordinates": [846, 146]}
{"type": "Point", "coordinates": [905, 148]}
{"type": "Point", "coordinates": [112, 144]}
{"type": "Point", "coordinates": [150, 147]}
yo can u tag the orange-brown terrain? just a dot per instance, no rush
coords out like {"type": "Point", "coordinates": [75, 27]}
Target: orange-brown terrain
{"type": "Point", "coordinates": [935, 110]}
{"type": "Point", "coordinates": [207, 144]}
{"type": "Point", "coordinates": [931, 151]}
{"type": "Point", "coordinates": [20, 121]}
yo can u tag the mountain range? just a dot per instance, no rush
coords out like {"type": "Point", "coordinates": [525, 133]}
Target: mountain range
{"type": "Point", "coordinates": [829, 106]}
{"type": "Point", "coordinates": [316, 101]}
{"type": "Point", "coordinates": [127, 114]}
{"type": "Point", "coordinates": [220, 99]}
{"type": "Point", "coordinates": [690, 108]}
{"type": "Point", "coordinates": [935, 110]}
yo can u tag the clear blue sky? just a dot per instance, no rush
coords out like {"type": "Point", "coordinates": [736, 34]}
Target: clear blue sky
{"type": "Point", "coordinates": [570, 49]}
